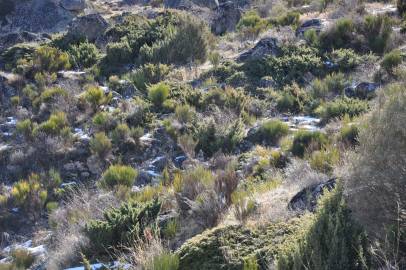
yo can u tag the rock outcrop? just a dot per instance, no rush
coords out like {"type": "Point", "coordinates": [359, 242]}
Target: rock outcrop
{"type": "Point", "coordinates": [91, 27]}
{"type": "Point", "coordinates": [265, 47]}
{"type": "Point", "coordinates": [73, 5]}
{"type": "Point", "coordinates": [226, 17]}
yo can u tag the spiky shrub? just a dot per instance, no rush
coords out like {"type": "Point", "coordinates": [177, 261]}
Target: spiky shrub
{"type": "Point", "coordinates": [118, 53]}
{"type": "Point", "coordinates": [329, 239]}
{"type": "Point", "coordinates": [375, 175]}
{"type": "Point", "coordinates": [346, 59]}
{"type": "Point", "coordinates": [148, 74]}
{"type": "Point", "coordinates": [95, 96]}
{"type": "Point", "coordinates": [50, 59]}
{"type": "Point", "coordinates": [271, 132]}
{"type": "Point", "coordinates": [54, 125]}
{"type": "Point", "coordinates": [118, 175]}
{"type": "Point", "coordinates": [307, 141]}
{"type": "Point", "coordinates": [120, 134]}
{"type": "Point", "coordinates": [349, 134]}
{"type": "Point", "coordinates": [122, 225]}
{"type": "Point", "coordinates": [332, 84]}
{"type": "Point", "coordinates": [158, 93]}
{"type": "Point", "coordinates": [83, 55]}
{"type": "Point", "coordinates": [164, 261]}
{"type": "Point", "coordinates": [100, 145]}
{"type": "Point", "coordinates": [251, 24]}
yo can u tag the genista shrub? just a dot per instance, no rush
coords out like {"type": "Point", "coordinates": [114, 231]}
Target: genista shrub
{"type": "Point", "coordinates": [158, 93]}
{"type": "Point", "coordinates": [121, 226]}
{"type": "Point", "coordinates": [95, 96]}
{"type": "Point", "coordinates": [340, 107]}
{"type": "Point", "coordinates": [83, 55]}
{"type": "Point", "coordinates": [118, 175]}
{"type": "Point", "coordinates": [50, 59]}
{"type": "Point", "coordinates": [54, 125]}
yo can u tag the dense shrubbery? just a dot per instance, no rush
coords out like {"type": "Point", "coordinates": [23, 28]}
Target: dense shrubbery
{"type": "Point", "coordinates": [251, 24]}
{"type": "Point", "coordinates": [83, 55]}
{"type": "Point", "coordinates": [49, 59]}
{"type": "Point", "coordinates": [100, 145]}
{"type": "Point", "coordinates": [158, 93]}
{"type": "Point", "coordinates": [391, 60]}
{"type": "Point", "coordinates": [55, 125]}
{"type": "Point", "coordinates": [340, 107]}
{"type": "Point", "coordinates": [170, 38]}
{"type": "Point", "coordinates": [291, 66]}
{"type": "Point", "coordinates": [148, 74]}
{"type": "Point", "coordinates": [331, 85]}
{"type": "Point", "coordinates": [123, 225]}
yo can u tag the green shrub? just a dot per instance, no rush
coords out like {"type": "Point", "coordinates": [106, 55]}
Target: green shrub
{"type": "Point", "coordinates": [307, 141]}
{"type": "Point", "coordinates": [325, 159]}
{"type": "Point", "coordinates": [377, 30]}
{"type": "Point", "coordinates": [271, 132]}
{"type": "Point", "coordinates": [103, 121]}
{"type": "Point", "coordinates": [50, 59]}
{"type": "Point", "coordinates": [118, 175]}
{"type": "Point", "coordinates": [83, 55]}
{"type": "Point", "coordinates": [184, 113]}
{"type": "Point", "coordinates": [391, 60]}
{"type": "Point", "coordinates": [25, 128]}
{"type": "Point", "coordinates": [158, 93]}
{"type": "Point", "coordinates": [251, 24]}
{"type": "Point", "coordinates": [340, 107]}
{"type": "Point", "coordinates": [118, 53]}
{"type": "Point", "coordinates": [332, 84]}
{"type": "Point", "coordinates": [29, 194]}
{"type": "Point", "coordinates": [292, 99]}
{"type": "Point", "coordinates": [120, 134]}
{"type": "Point", "coordinates": [340, 35]}
{"type": "Point", "coordinates": [346, 59]}
{"type": "Point", "coordinates": [95, 96]}
{"type": "Point", "coordinates": [49, 95]}
{"type": "Point", "coordinates": [100, 145]}
{"type": "Point", "coordinates": [349, 134]}
{"type": "Point", "coordinates": [329, 239]}
{"type": "Point", "coordinates": [121, 226]}
{"type": "Point", "coordinates": [290, 18]}
{"type": "Point", "coordinates": [54, 125]}
{"type": "Point", "coordinates": [312, 38]}
{"type": "Point", "coordinates": [163, 261]}
{"type": "Point", "coordinates": [148, 74]}
{"type": "Point", "coordinates": [251, 264]}
{"type": "Point", "coordinates": [22, 259]}
{"type": "Point", "coordinates": [291, 66]}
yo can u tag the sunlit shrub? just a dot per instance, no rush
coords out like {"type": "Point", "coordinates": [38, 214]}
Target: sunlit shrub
{"type": "Point", "coordinates": [307, 141]}
{"type": "Point", "coordinates": [271, 131]}
{"type": "Point", "coordinates": [158, 93]}
{"type": "Point", "coordinates": [118, 175]}
{"type": "Point", "coordinates": [83, 55]}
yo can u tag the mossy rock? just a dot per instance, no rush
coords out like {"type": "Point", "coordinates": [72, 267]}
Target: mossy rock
{"type": "Point", "coordinates": [227, 247]}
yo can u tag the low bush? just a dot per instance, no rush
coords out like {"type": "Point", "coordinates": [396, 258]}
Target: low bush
{"type": "Point", "coordinates": [391, 60]}
{"type": "Point", "coordinates": [292, 99]}
{"type": "Point", "coordinates": [331, 85]}
{"type": "Point", "coordinates": [346, 59]}
{"type": "Point", "coordinates": [121, 226]}
{"type": "Point", "coordinates": [325, 159]}
{"type": "Point", "coordinates": [54, 125]}
{"type": "Point", "coordinates": [83, 55]}
{"type": "Point", "coordinates": [49, 59]}
{"type": "Point", "coordinates": [95, 96]}
{"type": "Point", "coordinates": [271, 132]}
{"type": "Point", "coordinates": [118, 53]}
{"type": "Point", "coordinates": [118, 175]}
{"type": "Point", "coordinates": [307, 141]}
{"type": "Point", "coordinates": [251, 24]}
{"type": "Point", "coordinates": [100, 145]}
{"type": "Point", "coordinates": [349, 134]}
{"type": "Point", "coordinates": [340, 107]}
{"type": "Point", "coordinates": [120, 134]}
{"type": "Point", "coordinates": [148, 74]}
{"type": "Point", "coordinates": [158, 93]}
{"type": "Point", "coordinates": [184, 113]}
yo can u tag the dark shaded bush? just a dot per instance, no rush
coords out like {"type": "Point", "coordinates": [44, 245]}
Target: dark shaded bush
{"type": "Point", "coordinates": [251, 24]}
{"type": "Point", "coordinates": [307, 141]}
{"type": "Point", "coordinates": [292, 99]}
{"type": "Point", "coordinates": [121, 226]}
{"type": "Point", "coordinates": [291, 66]}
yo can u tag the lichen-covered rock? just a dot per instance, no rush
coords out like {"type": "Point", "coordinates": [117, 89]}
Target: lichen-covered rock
{"type": "Point", "coordinates": [227, 15]}
{"type": "Point", "coordinates": [227, 247]}
{"type": "Point", "coordinates": [90, 26]}
{"type": "Point", "coordinates": [265, 47]}
{"type": "Point", "coordinates": [73, 5]}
